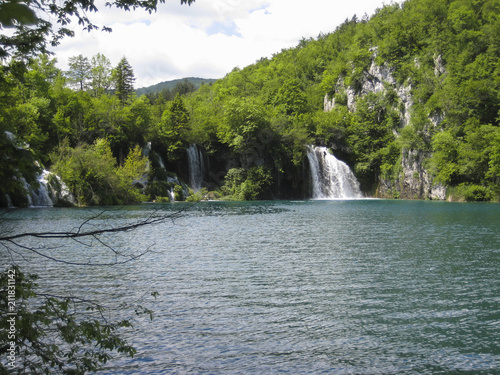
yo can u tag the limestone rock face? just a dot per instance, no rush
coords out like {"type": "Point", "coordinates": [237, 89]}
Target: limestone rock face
{"type": "Point", "coordinates": [413, 181]}
{"type": "Point", "coordinates": [378, 78]}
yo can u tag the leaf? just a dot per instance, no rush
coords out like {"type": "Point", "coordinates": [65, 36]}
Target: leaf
{"type": "Point", "coordinates": [13, 13]}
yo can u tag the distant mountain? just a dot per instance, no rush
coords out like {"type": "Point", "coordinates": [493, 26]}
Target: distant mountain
{"type": "Point", "coordinates": [171, 84]}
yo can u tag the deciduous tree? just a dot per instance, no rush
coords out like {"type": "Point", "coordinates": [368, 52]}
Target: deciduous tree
{"type": "Point", "coordinates": [100, 74]}
{"type": "Point", "coordinates": [79, 71]}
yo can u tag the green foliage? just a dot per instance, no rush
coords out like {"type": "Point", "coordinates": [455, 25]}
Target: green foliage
{"type": "Point", "coordinates": [291, 99]}
{"type": "Point", "coordinates": [197, 196]}
{"type": "Point", "coordinates": [471, 158]}
{"type": "Point", "coordinates": [11, 173]}
{"type": "Point", "coordinates": [159, 190]}
{"type": "Point", "coordinates": [100, 74]}
{"type": "Point", "coordinates": [473, 193]}
{"type": "Point", "coordinates": [331, 127]}
{"type": "Point", "coordinates": [79, 71]}
{"type": "Point", "coordinates": [244, 126]}
{"type": "Point", "coordinates": [444, 162]}
{"type": "Point", "coordinates": [444, 52]}
{"type": "Point", "coordinates": [49, 336]}
{"type": "Point", "coordinates": [370, 137]}
{"type": "Point", "coordinates": [170, 136]}
{"type": "Point", "coordinates": [123, 78]}
{"type": "Point", "coordinates": [93, 177]}
{"type": "Point", "coordinates": [169, 89]}
{"type": "Point", "coordinates": [178, 192]}
{"type": "Point", "coordinates": [476, 193]}
{"type": "Point", "coordinates": [246, 185]}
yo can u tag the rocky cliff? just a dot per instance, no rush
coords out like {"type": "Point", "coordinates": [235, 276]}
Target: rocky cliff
{"type": "Point", "coordinates": [413, 181]}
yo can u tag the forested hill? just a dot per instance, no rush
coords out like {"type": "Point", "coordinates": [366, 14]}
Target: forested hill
{"type": "Point", "coordinates": [412, 101]}
{"type": "Point", "coordinates": [408, 98]}
{"type": "Point", "coordinates": [187, 84]}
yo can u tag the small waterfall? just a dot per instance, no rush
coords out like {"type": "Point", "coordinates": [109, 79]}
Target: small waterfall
{"type": "Point", "coordinates": [38, 196]}
{"type": "Point", "coordinates": [196, 169]}
{"type": "Point", "coordinates": [47, 194]}
{"type": "Point", "coordinates": [42, 197]}
{"type": "Point", "coordinates": [9, 201]}
{"type": "Point", "coordinates": [168, 182]}
{"type": "Point", "coordinates": [171, 195]}
{"type": "Point", "coordinates": [331, 178]}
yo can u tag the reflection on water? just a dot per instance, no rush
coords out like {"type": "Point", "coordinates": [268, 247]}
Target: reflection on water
{"type": "Point", "coordinates": [347, 287]}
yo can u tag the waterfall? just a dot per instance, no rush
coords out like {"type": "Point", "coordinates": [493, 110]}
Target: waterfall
{"type": "Point", "coordinates": [331, 178]}
{"type": "Point", "coordinates": [47, 193]}
{"type": "Point", "coordinates": [38, 196]}
{"type": "Point", "coordinates": [171, 195]}
{"type": "Point", "coordinates": [196, 169]}
{"type": "Point", "coordinates": [41, 196]}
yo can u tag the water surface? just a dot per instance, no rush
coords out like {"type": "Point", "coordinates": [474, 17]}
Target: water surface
{"type": "Point", "coordinates": [344, 287]}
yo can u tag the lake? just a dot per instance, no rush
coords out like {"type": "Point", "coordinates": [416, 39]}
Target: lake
{"type": "Point", "coordinates": [306, 287]}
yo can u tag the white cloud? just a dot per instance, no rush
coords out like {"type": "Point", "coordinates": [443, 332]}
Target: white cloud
{"type": "Point", "coordinates": [210, 37]}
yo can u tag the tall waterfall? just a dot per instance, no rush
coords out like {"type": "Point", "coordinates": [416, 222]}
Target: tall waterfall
{"type": "Point", "coordinates": [331, 178]}
{"type": "Point", "coordinates": [196, 168]}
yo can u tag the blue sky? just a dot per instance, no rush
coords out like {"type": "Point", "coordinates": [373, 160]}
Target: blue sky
{"type": "Point", "coordinates": [209, 38]}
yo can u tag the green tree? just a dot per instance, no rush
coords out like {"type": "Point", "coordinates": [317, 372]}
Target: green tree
{"type": "Point", "coordinates": [171, 130]}
{"type": "Point", "coordinates": [369, 133]}
{"type": "Point", "coordinates": [100, 75]}
{"type": "Point", "coordinates": [290, 99]}
{"type": "Point", "coordinates": [444, 162]}
{"type": "Point", "coordinates": [183, 87]}
{"type": "Point", "coordinates": [92, 174]}
{"type": "Point", "coordinates": [71, 118]}
{"type": "Point", "coordinates": [79, 72]}
{"type": "Point", "coordinates": [247, 185]}
{"type": "Point", "coordinates": [123, 78]}
{"type": "Point", "coordinates": [31, 105]}
{"type": "Point", "coordinates": [244, 125]}
{"type": "Point", "coordinates": [129, 127]}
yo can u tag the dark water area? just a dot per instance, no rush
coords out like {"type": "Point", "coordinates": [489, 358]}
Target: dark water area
{"type": "Point", "coordinates": [343, 287]}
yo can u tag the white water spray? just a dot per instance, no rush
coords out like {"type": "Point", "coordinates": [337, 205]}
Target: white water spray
{"type": "Point", "coordinates": [331, 178]}
{"type": "Point", "coordinates": [196, 168]}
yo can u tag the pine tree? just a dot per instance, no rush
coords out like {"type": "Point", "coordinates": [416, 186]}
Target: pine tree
{"type": "Point", "coordinates": [123, 77]}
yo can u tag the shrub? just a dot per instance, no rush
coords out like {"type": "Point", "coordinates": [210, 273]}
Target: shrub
{"type": "Point", "coordinates": [244, 185]}
{"type": "Point", "coordinates": [476, 193]}
{"type": "Point", "coordinates": [47, 336]}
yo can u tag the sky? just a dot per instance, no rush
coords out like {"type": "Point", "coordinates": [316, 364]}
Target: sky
{"type": "Point", "coordinates": [207, 39]}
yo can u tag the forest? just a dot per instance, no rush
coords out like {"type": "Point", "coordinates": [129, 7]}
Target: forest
{"type": "Point", "coordinates": [418, 83]}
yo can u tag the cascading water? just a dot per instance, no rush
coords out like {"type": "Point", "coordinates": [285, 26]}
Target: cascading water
{"type": "Point", "coordinates": [47, 194]}
{"type": "Point", "coordinates": [170, 178]}
{"type": "Point", "coordinates": [40, 196]}
{"type": "Point", "coordinates": [331, 178]}
{"type": "Point", "coordinates": [196, 168]}
{"type": "Point", "coordinates": [49, 190]}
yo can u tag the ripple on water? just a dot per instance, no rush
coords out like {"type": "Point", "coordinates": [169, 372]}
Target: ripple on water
{"type": "Point", "coordinates": [346, 287]}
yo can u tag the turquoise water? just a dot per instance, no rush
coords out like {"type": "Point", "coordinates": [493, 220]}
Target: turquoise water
{"type": "Point", "coordinates": [344, 287]}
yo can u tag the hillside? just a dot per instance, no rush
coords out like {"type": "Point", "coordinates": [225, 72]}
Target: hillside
{"type": "Point", "coordinates": [169, 85]}
{"type": "Point", "coordinates": [409, 99]}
